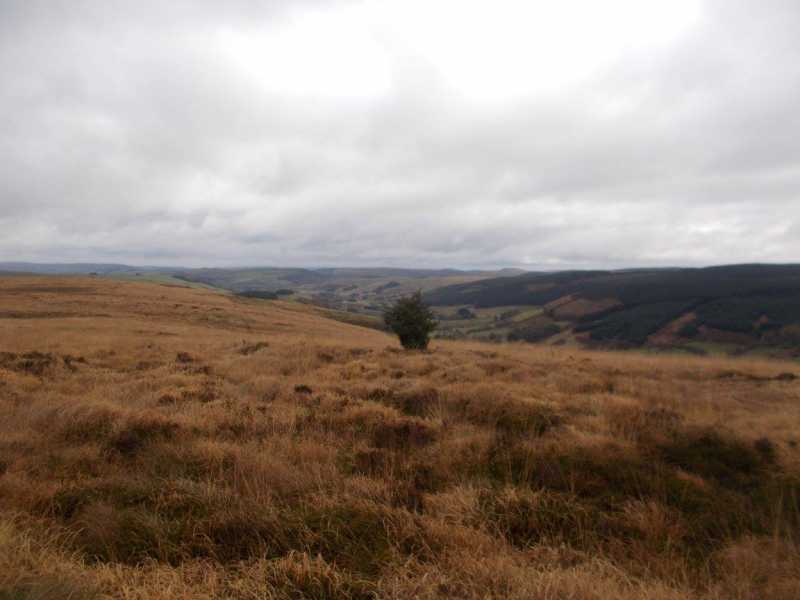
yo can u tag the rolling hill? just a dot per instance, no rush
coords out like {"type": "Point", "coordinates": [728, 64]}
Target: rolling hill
{"type": "Point", "coordinates": [364, 290]}
{"type": "Point", "coordinates": [738, 306]}
{"type": "Point", "coordinates": [727, 309]}
{"type": "Point", "coordinates": [360, 290]}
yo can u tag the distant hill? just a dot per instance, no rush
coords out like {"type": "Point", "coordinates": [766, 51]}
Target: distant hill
{"type": "Point", "coordinates": [737, 306]}
{"type": "Point", "coordinates": [361, 290]}
{"type": "Point", "coordinates": [266, 279]}
{"type": "Point", "coordinates": [356, 290]}
{"type": "Point", "coordinates": [731, 309]}
{"type": "Point", "coordinates": [67, 268]}
{"type": "Point", "coordinates": [238, 279]}
{"type": "Point", "coordinates": [274, 278]}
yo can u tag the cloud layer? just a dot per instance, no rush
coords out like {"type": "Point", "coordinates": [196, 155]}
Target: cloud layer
{"type": "Point", "coordinates": [463, 134]}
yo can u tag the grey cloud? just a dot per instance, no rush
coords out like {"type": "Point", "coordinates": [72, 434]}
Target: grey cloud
{"type": "Point", "coordinates": [126, 134]}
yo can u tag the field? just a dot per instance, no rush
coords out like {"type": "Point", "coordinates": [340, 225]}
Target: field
{"type": "Point", "coordinates": [169, 442]}
{"type": "Point", "coordinates": [487, 324]}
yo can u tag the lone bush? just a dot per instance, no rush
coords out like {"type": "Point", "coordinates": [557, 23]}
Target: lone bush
{"type": "Point", "coordinates": [412, 321]}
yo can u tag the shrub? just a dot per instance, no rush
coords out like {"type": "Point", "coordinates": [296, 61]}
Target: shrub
{"type": "Point", "coordinates": [412, 321]}
{"type": "Point", "coordinates": [465, 313]}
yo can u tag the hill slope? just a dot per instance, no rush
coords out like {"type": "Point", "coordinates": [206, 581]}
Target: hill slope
{"type": "Point", "coordinates": [743, 305]}
{"type": "Point", "coordinates": [162, 442]}
{"type": "Point", "coordinates": [364, 290]}
{"type": "Point", "coordinates": [361, 290]}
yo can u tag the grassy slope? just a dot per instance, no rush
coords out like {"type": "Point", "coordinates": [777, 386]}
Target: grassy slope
{"type": "Point", "coordinates": [162, 442]}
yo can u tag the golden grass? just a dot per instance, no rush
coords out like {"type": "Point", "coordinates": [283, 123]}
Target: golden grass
{"type": "Point", "coordinates": [161, 442]}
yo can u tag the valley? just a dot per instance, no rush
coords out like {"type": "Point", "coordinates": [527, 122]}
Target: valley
{"type": "Point", "coordinates": [728, 310]}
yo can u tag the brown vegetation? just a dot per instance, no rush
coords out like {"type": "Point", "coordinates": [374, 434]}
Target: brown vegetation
{"type": "Point", "coordinates": [188, 444]}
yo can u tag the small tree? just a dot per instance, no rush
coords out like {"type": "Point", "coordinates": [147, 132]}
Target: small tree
{"type": "Point", "coordinates": [412, 321]}
{"type": "Point", "coordinates": [465, 313]}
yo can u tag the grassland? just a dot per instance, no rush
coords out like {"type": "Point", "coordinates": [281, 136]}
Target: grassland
{"type": "Point", "coordinates": [162, 442]}
{"type": "Point", "coordinates": [486, 324]}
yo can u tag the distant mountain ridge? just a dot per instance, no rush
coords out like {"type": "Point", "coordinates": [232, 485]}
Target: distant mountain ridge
{"type": "Point", "coordinates": [67, 268]}
{"type": "Point", "coordinates": [272, 278]}
{"type": "Point", "coordinates": [298, 273]}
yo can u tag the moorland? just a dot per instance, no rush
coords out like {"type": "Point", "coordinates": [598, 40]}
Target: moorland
{"type": "Point", "coordinates": [159, 442]}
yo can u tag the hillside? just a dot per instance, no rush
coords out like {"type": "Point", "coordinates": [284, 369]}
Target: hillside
{"type": "Point", "coordinates": [165, 442]}
{"type": "Point", "coordinates": [367, 291]}
{"type": "Point", "coordinates": [363, 290]}
{"type": "Point", "coordinates": [740, 307]}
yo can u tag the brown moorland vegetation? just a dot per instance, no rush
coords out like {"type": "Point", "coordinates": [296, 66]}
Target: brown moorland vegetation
{"type": "Point", "coordinates": [161, 442]}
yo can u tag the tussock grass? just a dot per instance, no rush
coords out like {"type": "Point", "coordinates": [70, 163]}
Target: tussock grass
{"type": "Point", "coordinates": [256, 450]}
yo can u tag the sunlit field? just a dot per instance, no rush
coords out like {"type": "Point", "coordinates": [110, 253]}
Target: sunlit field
{"type": "Point", "coordinates": [161, 442]}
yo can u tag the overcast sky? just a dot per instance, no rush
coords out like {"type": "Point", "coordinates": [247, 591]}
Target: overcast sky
{"type": "Point", "coordinates": [405, 133]}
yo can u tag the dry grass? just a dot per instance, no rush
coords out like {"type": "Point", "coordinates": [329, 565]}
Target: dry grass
{"type": "Point", "coordinates": [160, 442]}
